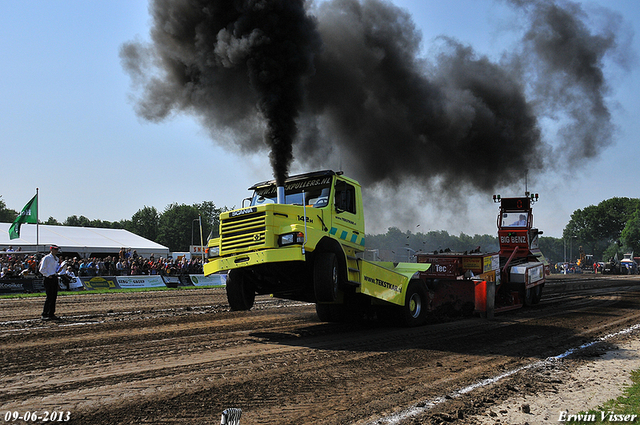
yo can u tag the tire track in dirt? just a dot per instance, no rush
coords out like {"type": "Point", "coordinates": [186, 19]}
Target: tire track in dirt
{"type": "Point", "coordinates": [279, 364]}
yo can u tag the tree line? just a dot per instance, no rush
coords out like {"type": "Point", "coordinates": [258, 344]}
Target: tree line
{"type": "Point", "coordinates": [604, 230]}
{"type": "Point", "coordinates": [406, 244]}
{"type": "Point", "coordinates": [176, 227]}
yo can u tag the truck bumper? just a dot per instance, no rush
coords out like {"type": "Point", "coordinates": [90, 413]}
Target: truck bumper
{"type": "Point", "coordinates": [292, 253]}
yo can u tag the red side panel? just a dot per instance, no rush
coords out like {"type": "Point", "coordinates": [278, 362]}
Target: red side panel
{"type": "Point", "coordinates": [441, 267]}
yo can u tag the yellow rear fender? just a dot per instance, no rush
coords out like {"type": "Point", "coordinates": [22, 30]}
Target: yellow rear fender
{"type": "Point", "coordinates": [389, 281]}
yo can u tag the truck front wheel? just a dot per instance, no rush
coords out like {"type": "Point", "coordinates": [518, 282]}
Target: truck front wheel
{"type": "Point", "coordinates": [240, 291]}
{"type": "Point", "coordinates": [414, 311]}
{"type": "Point", "coordinates": [325, 277]}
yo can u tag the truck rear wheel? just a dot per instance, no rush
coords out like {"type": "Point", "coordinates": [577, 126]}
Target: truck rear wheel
{"type": "Point", "coordinates": [537, 294]}
{"type": "Point", "coordinates": [532, 295]}
{"type": "Point", "coordinates": [414, 311]}
{"type": "Point", "coordinates": [240, 291]}
{"type": "Point", "coordinates": [326, 277]}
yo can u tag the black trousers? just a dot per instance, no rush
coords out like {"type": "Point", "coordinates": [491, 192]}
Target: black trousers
{"type": "Point", "coordinates": [51, 289]}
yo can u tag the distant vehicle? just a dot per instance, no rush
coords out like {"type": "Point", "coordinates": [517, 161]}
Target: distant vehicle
{"type": "Point", "coordinates": [628, 265]}
{"type": "Point", "coordinates": [612, 266]}
{"type": "Point", "coordinates": [586, 261]}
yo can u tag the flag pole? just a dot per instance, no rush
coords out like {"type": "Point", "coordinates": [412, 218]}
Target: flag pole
{"type": "Point", "coordinates": [37, 228]}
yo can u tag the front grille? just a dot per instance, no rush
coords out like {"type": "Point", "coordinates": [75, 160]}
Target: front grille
{"type": "Point", "coordinates": [242, 232]}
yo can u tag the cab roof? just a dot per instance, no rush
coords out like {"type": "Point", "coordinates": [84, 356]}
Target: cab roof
{"type": "Point", "coordinates": [298, 177]}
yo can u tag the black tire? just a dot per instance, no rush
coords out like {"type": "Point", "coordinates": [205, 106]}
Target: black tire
{"type": "Point", "coordinates": [537, 294]}
{"type": "Point", "coordinates": [527, 298]}
{"type": "Point", "coordinates": [532, 295]}
{"type": "Point", "coordinates": [240, 291]}
{"type": "Point", "coordinates": [414, 311]}
{"type": "Point", "coordinates": [326, 277]}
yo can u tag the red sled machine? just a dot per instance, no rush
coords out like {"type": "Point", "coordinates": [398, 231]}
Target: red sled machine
{"type": "Point", "coordinates": [487, 283]}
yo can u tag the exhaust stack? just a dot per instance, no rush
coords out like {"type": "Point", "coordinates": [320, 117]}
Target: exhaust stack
{"type": "Point", "coordinates": [280, 195]}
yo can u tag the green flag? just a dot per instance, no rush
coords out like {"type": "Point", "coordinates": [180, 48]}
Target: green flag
{"type": "Point", "coordinates": [29, 214]}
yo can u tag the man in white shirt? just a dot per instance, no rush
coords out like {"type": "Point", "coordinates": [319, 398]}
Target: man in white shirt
{"type": "Point", "coordinates": [49, 269]}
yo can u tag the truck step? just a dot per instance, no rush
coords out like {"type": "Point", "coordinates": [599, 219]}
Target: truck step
{"type": "Point", "coordinates": [353, 270]}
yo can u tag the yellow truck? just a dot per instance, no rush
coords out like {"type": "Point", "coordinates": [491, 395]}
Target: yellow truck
{"type": "Point", "coordinates": [305, 241]}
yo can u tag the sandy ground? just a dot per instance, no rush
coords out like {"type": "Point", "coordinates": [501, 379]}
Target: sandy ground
{"type": "Point", "coordinates": [591, 383]}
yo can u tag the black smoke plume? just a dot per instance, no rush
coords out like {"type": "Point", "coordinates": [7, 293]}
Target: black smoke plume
{"type": "Point", "coordinates": [346, 78]}
{"type": "Point", "coordinates": [228, 61]}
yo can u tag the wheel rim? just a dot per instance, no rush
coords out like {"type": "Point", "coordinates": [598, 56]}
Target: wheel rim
{"type": "Point", "coordinates": [415, 306]}
{"type": "Point", "coordinates": [334, 279]}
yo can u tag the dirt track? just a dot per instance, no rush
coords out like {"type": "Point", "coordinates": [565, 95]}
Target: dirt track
{"type": "Point", "coordinates": [183, 357]}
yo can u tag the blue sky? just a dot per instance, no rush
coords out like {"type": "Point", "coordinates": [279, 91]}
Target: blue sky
{"type": "Point", "coordinates": [68, 126]}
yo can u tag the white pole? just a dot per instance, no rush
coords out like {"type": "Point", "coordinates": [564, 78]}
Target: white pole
{"type": "Point", "coordinates": [571, 249]}
{"type": "Point", "coordinates": [564, 264]}
{"type": "Point", "coordinates": [201, 239]}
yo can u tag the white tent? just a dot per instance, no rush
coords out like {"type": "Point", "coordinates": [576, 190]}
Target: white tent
{"type": "Point", "coordinates": [85, 241]}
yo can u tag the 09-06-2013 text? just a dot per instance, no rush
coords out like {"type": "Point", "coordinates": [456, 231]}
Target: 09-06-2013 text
{"type": "Point", "coordinates": [43, 416]}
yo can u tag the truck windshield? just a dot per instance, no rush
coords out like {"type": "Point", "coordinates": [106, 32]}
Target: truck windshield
{"type": "Point", "coordinates": [514, 219]}
{"type": "Point", "coordinates": [316, 193]}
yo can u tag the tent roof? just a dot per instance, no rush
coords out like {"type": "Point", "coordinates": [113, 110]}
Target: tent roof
{"type": "Point", "coordinates": [79, 239]}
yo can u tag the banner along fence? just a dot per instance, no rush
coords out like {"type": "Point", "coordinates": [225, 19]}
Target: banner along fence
{"type": "Point", "coordinates": [17, 286]}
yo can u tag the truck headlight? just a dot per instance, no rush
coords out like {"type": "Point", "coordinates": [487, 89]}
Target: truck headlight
{"type": "Point", "coordinates": [213, 251]}
{"type": "Point", "coordinates": [291, 238]}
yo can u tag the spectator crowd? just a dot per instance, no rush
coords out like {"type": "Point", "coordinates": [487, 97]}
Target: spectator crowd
{"type": "Point", "coordinates": [15, 264]}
